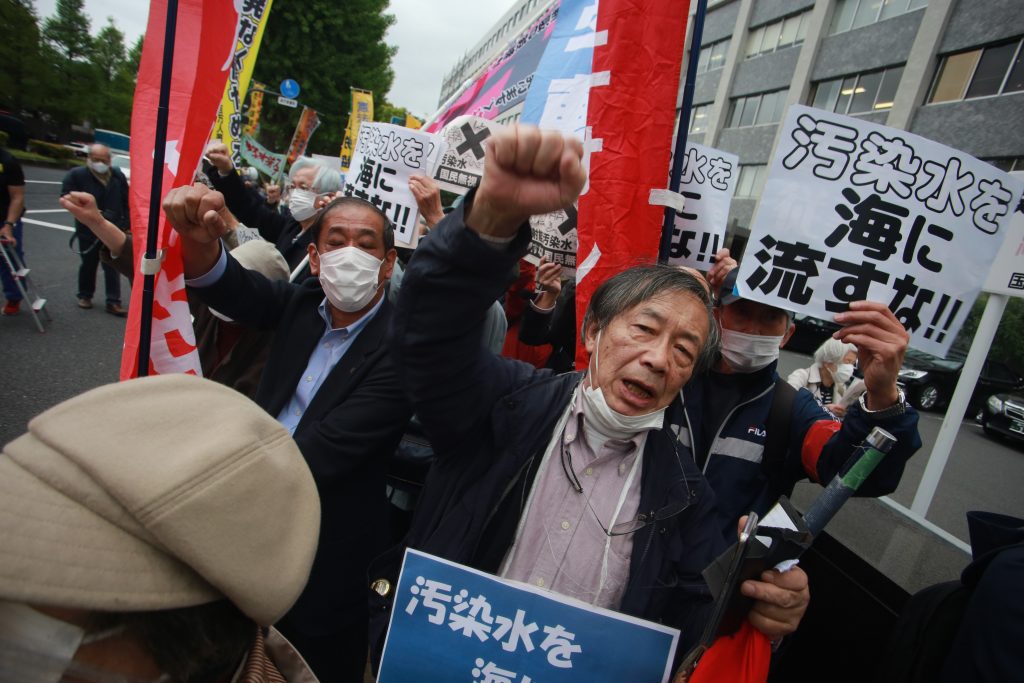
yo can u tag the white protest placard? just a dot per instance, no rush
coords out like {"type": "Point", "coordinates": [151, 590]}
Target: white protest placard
{"type": "Point", "coordinates": [707, 183]}
{"type": "Point", "coordinates": [853, 210]}
{"type": "Point", "coordinates": [462, 164]}
{"type": "Point", "coordinates": [1007, 274]}
{"type": "Point", "coordinates": [384, 158]}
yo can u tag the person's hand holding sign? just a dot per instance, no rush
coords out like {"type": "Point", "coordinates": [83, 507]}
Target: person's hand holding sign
{"type": "Point", "coordinates": [549, 284]}
{"type": "Point", "coordinates": [195, 213]}
{"type": "Point", "coordinates": [881, 344]}
{"type": "Point", "coordinates": [428, 198]}
{"type": "Point", "coordinates": [527, 171]}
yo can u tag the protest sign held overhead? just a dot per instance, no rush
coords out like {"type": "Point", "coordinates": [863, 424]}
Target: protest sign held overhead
{"type": "Point", "coordinates": [453, 623]}
{"type": "Point", "coordinates": [261, 158]}
{"type": "Point", "coordinates": [462, 164]}
{"type": "Point", "coordinates": [384, 157]}
{"type": "Point", "coordinates": [708, 183]}
{"type": "Point", "coordinates": [252, 20]}
{"type": "Point", "coordinates": [853, 210]}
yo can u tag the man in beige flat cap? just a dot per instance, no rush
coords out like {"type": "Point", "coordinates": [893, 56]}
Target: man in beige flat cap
{"type": "Point", "coordinates": [158, 547]}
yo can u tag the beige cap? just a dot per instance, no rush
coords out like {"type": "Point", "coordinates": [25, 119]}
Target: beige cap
{"type": "Point", "coordinates": [157, 493]}
{"type": "Point", "coordinates": [263, 257]}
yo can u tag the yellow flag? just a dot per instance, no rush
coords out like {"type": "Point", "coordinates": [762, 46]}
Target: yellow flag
{"type": "Point", "coordinates": [255, 109]}
{"type": "Point", "coordinates": [412, 122]}
{"type": "Point", "coordinates": [362, 110]}
{"type": "Point", "coordinates": [252, 20]}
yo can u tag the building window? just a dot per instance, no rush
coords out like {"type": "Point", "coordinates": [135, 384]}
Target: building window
{"type": "Point", "coordinates": [1007, 163]}
{"type": "Point", "coordinates": [699, 117]}
{"type": "Point", "coordinates": [851, 14]}
{"type": "Point", "coordinates": [751, 181]}
{"type": "Point", "coordinates": [860, 93]}
{"type": "Point", "coordinates": [982, 72]}
{"type": "Point", "coordinates": [757, 110]}
{"type": "Point", "coordinates": [712, 56]}
{"type": "Point", "coordinates": [778, 35]}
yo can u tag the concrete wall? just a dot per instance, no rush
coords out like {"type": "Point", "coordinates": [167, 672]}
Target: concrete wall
{"type": "Point", "coordinates": [752, 144]}
{"type": "Point", "coordinates": [769, 10]}
{"type": "Point", "coordinates": [766, 73]}
{"type": "Point", "coordinates": [719, 22]}
{"type": "Point", "coordinates": [886, 43]}
{"type": "Point", "coordinates": [984, 127]}
{"type": "Point", "coordinates": [977, 22]}
{"type": "Point", "coordinates": [706, 86]}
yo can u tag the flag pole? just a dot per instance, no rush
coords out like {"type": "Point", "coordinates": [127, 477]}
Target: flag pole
{"type": "Point", "coordinates": [683, 127]}
{"type": "Point", "coordinates": [156, 188]}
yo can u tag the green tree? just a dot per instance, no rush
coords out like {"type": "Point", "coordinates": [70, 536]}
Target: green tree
{"type": "Point", "coordinates": [109, 62]}
{"type": "Point", "coordinates": [69, 47]}
{"type": "Point", "coordinates": [1006, 345]}
{"type": "Point", "coordinates": [328, 47]}
{"type": "Point", "coordinates": [20, 68]}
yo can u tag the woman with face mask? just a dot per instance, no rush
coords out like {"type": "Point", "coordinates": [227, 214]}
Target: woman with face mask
{"type": "Point", "coordinates": [830, 374]}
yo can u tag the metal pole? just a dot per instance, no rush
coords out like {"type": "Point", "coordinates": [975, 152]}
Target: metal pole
{"type": "Point", "coordinates": [156, 188]}
{"type": "Point", "coordinates": [683, 127]}
{"type": "Point", "coordinates": [958, 404]}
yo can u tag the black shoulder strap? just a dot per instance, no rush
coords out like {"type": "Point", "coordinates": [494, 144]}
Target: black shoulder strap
{"type": "Point", "coordinates": [777, 441]}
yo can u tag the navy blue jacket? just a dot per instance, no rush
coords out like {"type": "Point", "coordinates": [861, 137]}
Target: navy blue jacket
{"type": "Point", "coordinates": [490, 420]}
{"type": "Point", "coordinates": [817, 446]}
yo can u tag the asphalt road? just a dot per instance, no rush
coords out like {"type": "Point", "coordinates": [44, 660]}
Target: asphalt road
{"type": "Point", "coordinates": [81, 349]}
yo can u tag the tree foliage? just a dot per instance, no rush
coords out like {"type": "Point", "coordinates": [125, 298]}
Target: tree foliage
{"type": "Point", "coordinates": [328, 47]}
{"type": "Point", "coordinates": [54, 74]}
{"type": "Point", "coordinates": [1006, 345]}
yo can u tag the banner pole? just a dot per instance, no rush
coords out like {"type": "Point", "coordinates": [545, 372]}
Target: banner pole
{"type": "Point", "coordinates": [683, 127]}
{"type": "Point", "coordinates": [156, 188]}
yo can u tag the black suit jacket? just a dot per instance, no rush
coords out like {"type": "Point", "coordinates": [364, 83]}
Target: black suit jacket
{"type": "Point", "coordinates": [347, 434]}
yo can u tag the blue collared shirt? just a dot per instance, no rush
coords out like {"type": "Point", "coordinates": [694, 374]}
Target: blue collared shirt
{"type": "Point", "coordinates": [331, 348]}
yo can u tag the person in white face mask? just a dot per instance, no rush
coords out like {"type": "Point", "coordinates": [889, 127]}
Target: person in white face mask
{"type": "Point", "coordinates": [329, 379]}
{"type": "Point", "coordinates": [308, 181]}
{"type": "Point", "coordinates": [166, 563]}
{"type": "Point", "coordinates": [754, 436]}
{"type": "Point", "coordinates": [569, 482]}
{"type": "Point", "coordinates": [829, 376]}
{"type": "Point", "coordinates": [109, 188]}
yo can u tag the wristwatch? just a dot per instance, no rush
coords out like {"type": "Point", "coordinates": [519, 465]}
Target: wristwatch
{"type": "Point", "coordinates": [897, 408]}
{"type": "Point", "coordinates": [10, 223]}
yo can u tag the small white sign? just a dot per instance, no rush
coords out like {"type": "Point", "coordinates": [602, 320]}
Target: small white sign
{"type": "Point", "coordinates": [707, 183]}
{"type": "Point", "coordinates": [462, 165]}
{"type": "Point", "coordinates": [288, 102]}
{"type": "Point", "coordinates": [1007, 274]}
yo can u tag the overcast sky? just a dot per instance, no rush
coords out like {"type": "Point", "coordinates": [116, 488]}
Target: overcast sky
{"type": "Point", "coordinates": [430, 35]}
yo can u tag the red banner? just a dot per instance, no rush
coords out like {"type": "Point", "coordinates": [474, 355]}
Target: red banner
{"type": "Point", "coordinates": [630, 122]}
{"type": "Point", "coordinates": [205, 34]}
{"type": "Point", "coordinates": [308, 123]}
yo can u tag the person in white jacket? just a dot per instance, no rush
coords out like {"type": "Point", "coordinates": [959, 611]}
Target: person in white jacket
{"type": "Point", "coordinates": [827, 378]}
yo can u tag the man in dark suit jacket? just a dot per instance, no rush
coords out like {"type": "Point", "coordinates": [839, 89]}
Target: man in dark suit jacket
{"type": "Point", "coordinates": [110, 188]}
{"type": "Point", "coordinates": [330, 380]}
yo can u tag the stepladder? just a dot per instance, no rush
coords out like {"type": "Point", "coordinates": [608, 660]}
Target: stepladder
{"type": "Point", "coordinates": [20, 274]}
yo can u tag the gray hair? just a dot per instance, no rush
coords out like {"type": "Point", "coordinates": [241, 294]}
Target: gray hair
{"type": "Point", "coordinates": [326, 179]}
{"type": "Point", "coordinates": [632, 287]}
{"type": "Point", "coordinates": [832, 351]}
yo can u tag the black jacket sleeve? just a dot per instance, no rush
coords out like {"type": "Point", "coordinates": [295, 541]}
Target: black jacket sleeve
{"type": "Point", "coordinates": [247, 296]}
{"type": "Point", "coordinates": [452, 380]}
{"type": "Point", "coordinates": [248, 208]}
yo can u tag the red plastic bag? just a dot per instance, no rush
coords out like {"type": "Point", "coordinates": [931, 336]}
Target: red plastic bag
{"type": "Point", "coordinates": [740, 658]}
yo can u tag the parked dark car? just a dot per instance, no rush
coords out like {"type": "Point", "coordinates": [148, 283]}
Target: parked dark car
{"type": "Point", "coordinates": [17, 136]}
{"type": "Point", "coordinates": [809, 334]}
{"type": "Point", "coordinates": [929, 381]}
{"type": "Point", "coordinates": [1004, 416]}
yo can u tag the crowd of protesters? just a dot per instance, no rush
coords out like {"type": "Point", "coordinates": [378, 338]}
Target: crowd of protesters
{"type": "Point", "coordinates": [216, 538]}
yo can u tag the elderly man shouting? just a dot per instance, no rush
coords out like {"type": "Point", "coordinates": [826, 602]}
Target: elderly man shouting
{"type": "Point", "coordinates": [568, 482]}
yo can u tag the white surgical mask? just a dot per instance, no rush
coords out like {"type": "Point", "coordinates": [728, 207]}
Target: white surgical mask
{"type": "Point", "coordinates": [302, 204]}
{"type": "Point", "coordinates": [609, 423]}
{"type": "Point", "coordinates": [99, 167]}
{"type": "Point", "coordinates": [349, 277]}
{"type": "Point", "coordinates": [842, 373]}
{"type": "Point", "coordinates": [747, 353]}
{"type": "Point", "coordinates": [38, 648]}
